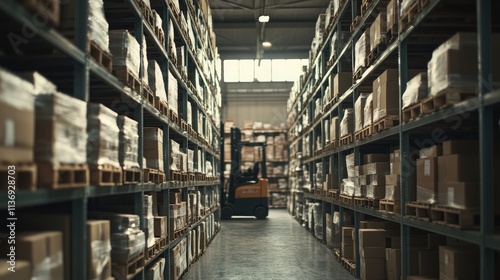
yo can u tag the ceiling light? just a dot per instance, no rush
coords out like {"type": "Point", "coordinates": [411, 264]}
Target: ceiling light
{"type": "Point", "coordinates": [264, 18]}
{"type": "Point", "coordinates": [267, 44]}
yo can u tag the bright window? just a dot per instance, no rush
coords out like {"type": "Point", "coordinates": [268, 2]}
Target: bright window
{"type": "Point", "coordinates": [268, 70]}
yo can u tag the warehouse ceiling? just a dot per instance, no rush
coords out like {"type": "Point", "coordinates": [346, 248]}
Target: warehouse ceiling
{"type": "Point", "coordinates": [290, 29]}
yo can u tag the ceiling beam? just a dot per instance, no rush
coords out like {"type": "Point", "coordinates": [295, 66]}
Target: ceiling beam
{"type": "Point", "coordinates": [275, 25]}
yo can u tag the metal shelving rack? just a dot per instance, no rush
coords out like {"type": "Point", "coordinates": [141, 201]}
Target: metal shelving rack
{"type": "Point", "coordinates": [399, 52]}
{"type": "Point", "coordinates": [89, 81]}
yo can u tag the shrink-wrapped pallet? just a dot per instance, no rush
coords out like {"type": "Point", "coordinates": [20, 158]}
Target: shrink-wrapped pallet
{"type": "Point", "coordinates": [129, 142]}
{"type": "Point", "coordinates": [347, 123]}
{"type": "Point", "coordinates": [156, 80]}
{"type": "Point", "coordinates": [362, 48]}
{"type": "Point", "coordinates": [103, 135]}
{"type": "Point", "coordinates": [126, 50]}
{"type": "Point", "coordinates": [416, 90]}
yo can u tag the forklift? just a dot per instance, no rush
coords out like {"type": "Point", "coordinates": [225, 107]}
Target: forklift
{"type": "Point", "coordinates": [247, 194]}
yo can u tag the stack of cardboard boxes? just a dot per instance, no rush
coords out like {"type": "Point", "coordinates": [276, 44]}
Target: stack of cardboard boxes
{"type": "Point", "coordinates": [177, 213]}
{"type": "Point", "coordinates": [153, 148]}
{"type": "Point", "coordinates": [376, 167]}
{"type": "Point", "coordinates": [178, 259]}
{"type": "Point", "coordinates": [372, 244]}
{"type": "Point", "coordinates": [99, 249]}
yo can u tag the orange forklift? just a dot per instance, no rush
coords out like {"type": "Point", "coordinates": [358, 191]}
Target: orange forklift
{"type": "Point", "coordinates": [245, 194]}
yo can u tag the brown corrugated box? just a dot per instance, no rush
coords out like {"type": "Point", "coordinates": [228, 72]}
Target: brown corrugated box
{"type": "Point", "coordinates": [340, 83]}
{"type": "Point", "coordinates": [334, 128]}
{"type": "Point", "coordinates": [393, 263]}
{"type": "Point", "coordinates": [98, 233]}
{"type": "Point", "coordinates": [381, 168]}
{"type": "Point", "coordinates": [372, 263]}
{"type": "Point", "coordinates": [161, 226]}
{"type": "Point", "coordinates": [371, 238]}
{"type": "Point", "coordinates": [392, 179]}
{"type": "Point", "coordinates": [37, 247]}
{"type": "Point", "coordinates": [428, 263]}
{"type": "Point", "coordinates": [451, 147]}
{"type": "Point", "coordinates": [452, 168]}
{"type": "Point", "coordinates": [434, 151]}
{"type": "Point", "coordinates": [385, 95]}
{"type": "Point", "coordinates": [463, 195]}
{"type": "Point", "coordinates": [427, 180]}
{"type": "Point", "coordinates": [22, 270]}
{"type": "Point", "coordinates": [371, 158]}
{"type": "Point", "coordinates": [392, 15]}
{"type": "Point", "coordinates": [459, 263]}
{"type": "Point", "coordinates": [378, 30]}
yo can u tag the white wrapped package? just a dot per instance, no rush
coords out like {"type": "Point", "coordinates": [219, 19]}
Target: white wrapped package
{"type": "Point", "coordinates": [348, 187]}
{"type": "Point", "coordinates": [189, 113]}
{"type": "Point", "coordinates": [61, 129]}
{"type": "Point", "coordinates": [416, 90]}
{"type": "Point", "coordinates": [144, 65]}
{"type": "Point", "coordinates": [368, 111]}
{"type": "Point", "coordinates": [359, 109]}
{"type": "Point", "coordinates": [362, 48]}
{"type": "Point", "coordinates": [406, 5]}
{"type": "Point", "coordinates": [349, 163]}
{"type": "Point", "coordinates": [126, 50]}
{"type": "Point", "coordinates": [347, 123]}
{"type": "Point", "coordinates": [172, 92]}
{"type": "Point", "coordinates": [156, 80]}
{"type": "Point", "coordinates": [103, 135]}
{"type": "Point", "coordinates": [97, 25]}
{"type": "Point", "coordinates": [175, 158]}
{"type": "Point", "coordinates": [129, 142]}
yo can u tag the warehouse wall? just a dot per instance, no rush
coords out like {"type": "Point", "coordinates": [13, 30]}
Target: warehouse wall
{"type": "Point", "coordinates": [261, 102]}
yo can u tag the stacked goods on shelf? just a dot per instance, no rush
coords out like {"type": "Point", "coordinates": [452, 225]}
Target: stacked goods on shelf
{"type": "Point", "coordinates": [318, 178]}
{"type": "Point", "coordinates": [348, 186]}
{"type": "Point", "coordinates": [334, 131]}
{"type": "Point", "coordinates": [316, 220]}
{"type": "Point", "coordinates": [156, 271]}
{"type": "Point", "coordinates": [393, 186]}
{"type": "Point", "coordinates": [338, 223]}
{"type": "Point", "coordinates": [377, 166]}
{"type": "Point", "coordinates": [331, 12]}
{"type": "Point", "coordinates": [377, 33]}
{"type": "Point", "coordinates": [458, 262]}
{"type": "Point", "coordinates": [158, 27]}
{"type": "Point", "coordinates": [278, 199]}
{"type": "Point", "coordinates": [149, 221]}
{"type": "Point", "coordinates": [359, 109]}
{"type": "Point", "coordinates": [372, 244]}
{"type": "Point", "coordinates": [126, 57]}
{"type": "Point", "coordinates": [362, 49]}
{"type": "Point", "coordinates": [340, 83]}
{"type": "Point", "coordinates": [128, 150]}
{"type": "Point", "coordinates": [347, 245]}
{"type": "Point", "coordinates": [452, 68]}
{"type": "Point", "coordinates": [153, 152]}
{"type": "Point", "coordinates": [61, 141]}
{"type": "Point", "coordinates": [368, 114]}
{"type": "Point", "coordinates": [17, 110]}
{"type": "Point", "coordinates": [427, 174]}
{"type": "Point", "coordinates": [178, 259]}
{"type": "Point", "coordinates": [157, 85]}
{"type": "Point", "coordinates": [145, 63]}
{"type": "Point", "coordinates": [392, 18]}
{"type": "Point", "coordinates": [416, 90]}
{"type": "Point", "coordinates": [177, 214]}
{"type": "Point", "coordinates": [385, 98]}
{"type": "Point", "coordinates": [103, 146]}
{"type": "Point", "coordinates": [172, 93]}
{"type": "Point", "coordinates": [194, 207]}
{"type": "Point", "coordinates": [99, 249]}
{"type": "Point", "coordinates": [347, 127]}
{"type": "Point", "coordinates": [160, 227]}
{"type": "Point", "coordinates": [37, 255]}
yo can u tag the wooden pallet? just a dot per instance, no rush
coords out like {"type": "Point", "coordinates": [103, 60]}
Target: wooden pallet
{"type": "Point", "coordinates": [358, 74]}
{"type": "Point", "coordinates": [102, 57]}
{"type": "Point", "coordinates": [346, 199]}
{"type": "Point", "coordinates": [191, 176]}
{"type": "Point", "coordinates": [355, 23]}
{"type": "Point", "coordinates": [408, 18]}
{"type": "Point", "coordinates": [192, 132]}
{"type": "Point", "coordinates": [377, 51]}
{"type": "Point", "coordinates": [348, 139]}
{"type": "Point", "coordinates": [373, 203]}
{"type": "Point", "coordinates": [174, 118]}
{"type": "Point", "coordinates": [360, 201]}
{"type": "Point", "coordinates": [131, 175]}
{"type": "Point", "coordinates": [149, 253]}
{"type": "Point", "coordinates": [153, 176]}
{"type": "Point", "coordinates": [146, 12]}
{"type": "Point", "coordinates": [47, 9]}
{"type": "Point", "coordinates": [333, 193]}
{"type": "Point", "coordinates": [391, 35]}
{"type": "Point", "coordinates": [363, 133]}
{"type": "Point", "coordinates": [389, 206]}
{"type": "Point", "coordinates": [161, 105]}
{"type": "Point", "coordinates": [105, 175]}
{"type": "Point", "coordinates": [336, 254]}
{"type": "Point", "coordinates": [184, 125]}
{"type": "Point", "coordinates": [454, 217]}
{"type": "Point", "coordinates": [365, 6]}
{"type": "Point", "coordinates": [148, 95]}
{"type": "Point", "coordinates": [385, 123]}
{"type": "Point", "coordinates": [175, 175]}
{"type": "Point", "coordinates": [349, 265]}
{"type": "Point", "coordinates": [23, 173]}
{"type": "Point", "coordinates": [127, 77]}
{"type": "Point", "coordinates": [184, 176]}
{"type": "Point", "coordinates": [129, 270]}
{"type": "Point", "coordinates": [160, 34]}
{"type": "Point", "coordinates": [419, 210]}
{"type": "Point", "coordinates": [412, 112]}
{"type": "Point", "coordinates": [62, 175]}
{"type": "Point", "coordinates": [446, 98]}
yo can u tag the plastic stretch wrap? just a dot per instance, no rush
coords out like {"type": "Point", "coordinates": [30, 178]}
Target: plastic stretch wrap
{"type": "Point", "coordinates": [156, 80]}
{"type": "Point", "coordinates": [119, 223]}
{"type": "Point", "coordinates": [375, 191]}
{"type": "Point", "coordinates": [61, 128]}
{"type": "Point", "coordinates": [129, 142]}
{"type": "Point", "coordinates": [347, 123]}
{"type": "Point", "coordinates": [406, 5]}
{"type": "Point", "coordinates": [127, 245]}
{"type": "Point", "coordinates": [362, 49]}
{"type": "Point", "coordinates": [425, 195]}
{"type": "Point", "coordinates": [147, 204]}
{"type": "Point", "coordinates": [41, 271]}
{"type": "Point", "coordinates": [359, 109]}
{"type": "Point", "coordinates": [153, 148]}
{"type": "Point", "coordinates": [416, 90]}
{"type": "Point", "coordinates": [318, 109]}
{"type": "Point", "coordinates": [175, 149]}
{"type": "Point", "coordinates": [157, 21]}
{"type": "Point", "coordinates": [101, 255]}
{"type": "Point", "coordinates": [126, 50]}
{"type": "Point", "coordinates": [190, 162]}
{"type": "Point", "coordinates": [97, 25]}
{"type": "Point", "coordinates": [349, 162]}
{"type": "Point", "coordinates": [40, 83]}
{"type": "Point", "coordinates": [209, 168]}
{"type": "Point", "coordinates": [348, 187]}
{"type": "Point", "coordinates": [144, 56]}
{"type": "Point", "coordinates": [390, 191]}
{"type": "Point", "coordinates": [103, 141]}
{"type": "Point", "coordinates": [189, 113]}
{"type": "Point", "coordinates": [318, 220]}
{"type": "Point", "coordinates": [154, 272]}
{"type": "Point", "coordinates": [172, 92]}
{"type": "Point", "coordinates": [368, 111]}
{"type": "Point", "coordinates": [149, 230]}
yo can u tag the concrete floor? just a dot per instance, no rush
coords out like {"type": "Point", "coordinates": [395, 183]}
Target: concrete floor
{"type": "Point", "coordinates": [275, 248]}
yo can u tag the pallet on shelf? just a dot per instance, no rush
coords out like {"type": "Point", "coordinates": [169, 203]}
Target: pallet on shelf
{"type": "Point", "coordinates": [419, 210]}
{"type": "Point", "coordinates": [127, 77]}
{"type": "Point", "coordinates": [358, 74]}
{"type": "Point", "coordinates": [149, 253]}
{"type": "Point", "coordinates": [131, 175]}
{"type": "Point", "coordinates": [46, 9]}
{"type": "Point", "coordinates": [391, 35]}
{"type": "Point", "coordinates": [372, 203]}
{"type": "Point", "coordinates": [355, 23]}
{"type": "Point", "coordinates": [360, 201]}
{"type": "Point", "coordinates": [175, 175]}
{"type": "Point", "coordinates": [174, 118]}
{"type": "Point", "coordinates": [365, 5]}
{"type": "Point", "coordinates": [25, 174]}
{"type": "Point", "coordinates": [389, 206]}
{"type": "Point", "coordinates": [410, 15]}
{"type": "Point", "coordinates": [348, 139]}
{"type": "Point", "coordinates": [385, 123]}
{"type": "Point", "coordinates": [412, 112]}
{"type": "Point", "coordinates": [349, 265]}
{"type": "Point", "coordinates": [446, 98]}
{"type": "Point", "coordinates": [333, 193]}
{"type": "Point", "coordinates": [62, 175]}
{"type": "Point", "coordinates": [184, 125]}
{"type": "Point", "coordinates": [377, 51]}
{"type": "Point", "coordinates": [191, 176]}
{"type": "Point", "coordinates": [148, 95]}
{"type": "Point", "coordinates": [454, 217]}
{"type": "Point", "coordinates": [103, 58]}
{"type": "Point", "coordinates": [346, 199]}
{"type": "Point", "coordinates": [105, 175]}
{"type": "Point", "coordinates": [161, 105]}
{"type": "Point", "coordinates": [153, 176]}
{"type": "Point", "coordinates": [130, 269]}
{"type": "Point", "coordinates": [363, 133]}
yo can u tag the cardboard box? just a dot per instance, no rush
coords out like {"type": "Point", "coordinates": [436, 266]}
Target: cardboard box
{"type": "Point", "coordinates": [372, 252]}
{"type": "Point", "coordinates": [375, 191]}
{"type": "Point", "coordinates": [371, 238]}
{"type": "Point", "coordinates": [462, 195]}
{"type": "Point", "coordinates": [453, 168]}
{"type": "Point", "coordinates": [380, 168]}
{"type": "Point", "coordinates": [348, 251]}
{"type": "Point", "coordinates": [22, 270]}
{"type": "Point", "coordinates": [451, 147]}
{"type": "Point", "coordinates": [347, 233]}
{"type": "Point", "coordinates": [99, 256]}
{"type": "Point", "coordinates": [427, 183]}
{"type": "Point", "coordinates": [392, 15]}
{"type": "Point", "coordinates": [428, 263]}
{"type": "Point", "coordinates": [393, 242]}
{"type": "Point", "coordinates": [392, 179]}
{"type": "Point", "coordinates": [393, 263]}
{"type": "Point", "coordinates": [340, 83]}
{"type": "Point", "coordinates": [161, 226]}
{"type": "Point", "coordinates": [434, 151]}
{"type": "Point", "coordinates": [371, 158]}
{"type": "Point", "coordinates": [378, 30]}
{"type": "Point", "coordinates": [385, 95]}
{"type": "Point", "coordinates": [376, 179]}
{"type": "Point", "coordinates": [334, 129]}
{"type": "Point", "coordinates": [391, 229]}
{"type": "Point", "coordinates": [373, 268]}
{"type": "Point", "coordinates": [459, 263]}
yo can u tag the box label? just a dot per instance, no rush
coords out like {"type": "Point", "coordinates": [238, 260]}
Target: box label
{"type": "Point", "coordinates": [451, 195]}
{"type": "Point", "coordinates": [427, 167]}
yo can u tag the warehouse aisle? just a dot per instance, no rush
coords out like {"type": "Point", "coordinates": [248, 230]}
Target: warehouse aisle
{"type": "Point", "coordinates": [275, 248]}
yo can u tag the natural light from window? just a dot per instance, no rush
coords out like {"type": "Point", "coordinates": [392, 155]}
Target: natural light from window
{"type": "Point", "coordinates": [269, 70]}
